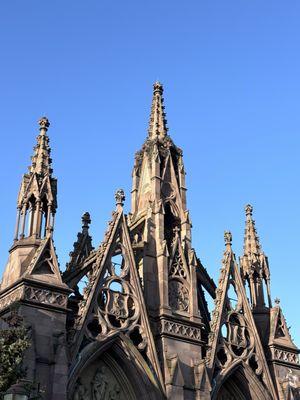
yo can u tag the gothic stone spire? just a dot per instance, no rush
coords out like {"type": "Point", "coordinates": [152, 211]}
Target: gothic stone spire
{"type": "Point", "coordinates": [158, 122]}
{"type": "Point", "coordinates": [251, 242]}
{"type": "Point", "coordinates": [37, 200]}
{"type": "Point", "coordinates": [82, 248]}
{"type": "Point", "coordinates": [254, 263]}
{"type": "Point", "coordinates": [234, 338]}
{"type": "Point", "coordinates": [36, 207]}
{"type": "Point", "coordinates": [32, 278]}
{"type": "Point", "coordinates": [41, 161]}
{"type": "Point", "coordinates": [161, 227]}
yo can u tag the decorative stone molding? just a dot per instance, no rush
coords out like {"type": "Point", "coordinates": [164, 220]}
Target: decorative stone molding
{"type": "Point", "coordinates": [26, 292]}
{"type": "Point", "coordinates": [181, 330]}
{"type": "Point", "coordinates": [285, 356]}
{"type": "Point", "coordinates": [11, 297]}
{"type": "Point", "coordinates": [45, 296]}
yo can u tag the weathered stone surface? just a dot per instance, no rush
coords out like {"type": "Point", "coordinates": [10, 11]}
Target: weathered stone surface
{"type": "Point", "coordinates": [139, 326]}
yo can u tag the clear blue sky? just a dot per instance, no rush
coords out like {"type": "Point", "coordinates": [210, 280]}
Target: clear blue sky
{"type": "Point", "coordinates": [232, 86]}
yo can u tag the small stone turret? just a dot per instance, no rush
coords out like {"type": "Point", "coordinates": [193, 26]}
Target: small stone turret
{"type": "Point", "coordinates": [32, 279]}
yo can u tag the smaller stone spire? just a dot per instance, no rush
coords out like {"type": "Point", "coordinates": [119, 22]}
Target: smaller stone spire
{"type": "Point", "coordinates": [37, 199]}
{"type": "Point", "coordinates": [41, 160]}
{"type": "Point", "coordinates": [251, 241]}
{"type": "Point", "coordinates": [82, 249]}
{"type": "Point", "coordinates": [158, 123]}
{"type": "Point", "coordinates": [254, 263]}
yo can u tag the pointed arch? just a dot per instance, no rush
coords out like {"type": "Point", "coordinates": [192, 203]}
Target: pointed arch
{"type": "Point", "coordinates": [113, 299]}
{"type": "Point", "coordinates": [125, 369]}
{"type": "Point", "coordinates": [234, 336]}
{"type": "Point", "coordinates": [239, 382]}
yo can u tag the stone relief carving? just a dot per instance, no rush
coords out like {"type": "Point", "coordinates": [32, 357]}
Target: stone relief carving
{"type": "Point", "coordinates": [178, 296]}
{"type": "Point", "coordinates": [286, 356]}
{"type": "Point", "coordinates": [103, 387]}
{"type": "Point", "coordinates": [181, 330]}
{"type": "Point", "coordinates": [178, 280]}
{"type": "Point", "coordinates": [99, 382]}
{"type": "Point", "coordinates": [45, 296]}
{"type": "Point", "coordinates": [34, 294]}
{"type": "Point", "coordinates": [80, 392]}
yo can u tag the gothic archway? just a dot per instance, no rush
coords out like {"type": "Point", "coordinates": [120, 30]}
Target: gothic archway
{"type": "Point", "coordinates": [240, 383]}
{"type": "Point", "coordinates": [112, 370]}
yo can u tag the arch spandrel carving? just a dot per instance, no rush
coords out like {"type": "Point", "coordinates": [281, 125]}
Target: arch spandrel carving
{"type": "Point", "coordinates": [116, 358]}
{"type": "Point", "coordinates": [103, 380]}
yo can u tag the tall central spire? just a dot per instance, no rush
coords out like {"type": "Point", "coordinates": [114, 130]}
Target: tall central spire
{"type": "Point", "coordinates": [158, 122]}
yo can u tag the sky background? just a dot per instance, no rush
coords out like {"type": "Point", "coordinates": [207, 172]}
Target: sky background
{"type": "Point", "coordinates": [231, 75]}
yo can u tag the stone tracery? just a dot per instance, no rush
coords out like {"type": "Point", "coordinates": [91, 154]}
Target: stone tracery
{"type": "Point", "coordinates": [158, 280]}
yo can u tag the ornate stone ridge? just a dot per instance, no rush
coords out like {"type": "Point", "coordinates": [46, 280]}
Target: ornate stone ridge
{"type": "Point", "coordinates": [45, 296]}
{"type": "Point", "coordinates": [285, 356]}
{"type": "Point", "coordinates": [180, 330]}
{"type": "Point", "coordinates": [11, 297]}
{"type": "Point", "coordinates": [25, 292]}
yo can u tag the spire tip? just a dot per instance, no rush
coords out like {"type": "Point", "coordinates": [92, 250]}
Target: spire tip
{"type": "Point", "coordinates": [277, 301]}
{"type": "Point", "coordinates": [158, 87]}
{"type": "Point", "coordinates": [120, 197]}
{"type": "Point", "coordinates": [248, 209]}
{"type": "Point", "coordinates": [86, 220]}
{"type": "Point", "coordinates": [44, 123]}
{"type": "Point", "coordinates": [228, 238]}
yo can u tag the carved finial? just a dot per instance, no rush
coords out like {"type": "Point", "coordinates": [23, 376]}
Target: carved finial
{"type": "Point", "coordinates": [120, 197]}
{"type": "Point", "coordinates": [44, 123]}
{"type": "Point", "coordinates": [277, 301]}
{"type": "Point", "coordinates": [249, 209]}
{"type": "Point", "coordinates": [227, 238]}
{"type": "Point", "coordinates": [158, 88]}
{"type": "Point", "coordinates": [86, 220]}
